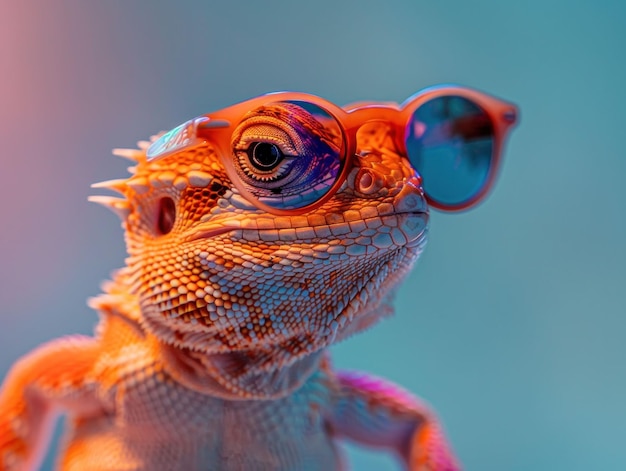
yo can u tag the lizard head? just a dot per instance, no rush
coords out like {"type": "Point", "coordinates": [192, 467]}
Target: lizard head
{"type": "Point", "coordinates": [213, 272]}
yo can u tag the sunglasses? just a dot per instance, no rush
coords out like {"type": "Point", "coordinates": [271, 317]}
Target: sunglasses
{"type": "Point", "coordinates": [289, 152]}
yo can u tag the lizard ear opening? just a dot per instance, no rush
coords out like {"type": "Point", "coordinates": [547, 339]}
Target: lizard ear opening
{"type": "Point", "coordinates": [166, 216]}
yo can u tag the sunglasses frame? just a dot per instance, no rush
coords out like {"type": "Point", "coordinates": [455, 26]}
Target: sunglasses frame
{"type": "Point", "coordinates": [217, 128]}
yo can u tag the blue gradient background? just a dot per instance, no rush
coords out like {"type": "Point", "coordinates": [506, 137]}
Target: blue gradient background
{"type": "Point", "coordinates": [513, 323]}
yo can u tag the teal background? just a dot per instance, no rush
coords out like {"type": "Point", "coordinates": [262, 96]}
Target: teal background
{"type": "Point", "coordinates": [513, 323]}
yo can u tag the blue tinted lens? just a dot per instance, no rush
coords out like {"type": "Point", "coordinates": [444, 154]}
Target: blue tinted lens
{"type": "Point", "coordinates": [450, 142]}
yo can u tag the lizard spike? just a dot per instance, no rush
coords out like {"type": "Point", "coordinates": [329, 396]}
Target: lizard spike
{"type": "Point", "coordinates": [117, 185]}
{"type": "Point", "coordinates": [119, 206]}
{"type": "Point", "coordinates": [131, 154]}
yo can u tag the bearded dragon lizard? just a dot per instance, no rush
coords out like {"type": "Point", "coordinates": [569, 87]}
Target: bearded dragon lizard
{"type": "Point", "coordinates": [210, 351]}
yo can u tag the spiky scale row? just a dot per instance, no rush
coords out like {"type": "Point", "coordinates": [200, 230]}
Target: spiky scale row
{"type": "Point", "coordinates": [135, 155]}
{"type": "Point", "coordinates": [118, 185]}
{"type": "Point", "coordinates": [119, 206]}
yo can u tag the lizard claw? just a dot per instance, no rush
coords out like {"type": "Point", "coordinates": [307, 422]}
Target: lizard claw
{"type": "Point", "coordinates": [431, 452]}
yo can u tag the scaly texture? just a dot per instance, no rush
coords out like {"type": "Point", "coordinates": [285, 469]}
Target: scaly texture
{"type": "Point", "coordinates": [210, 350]}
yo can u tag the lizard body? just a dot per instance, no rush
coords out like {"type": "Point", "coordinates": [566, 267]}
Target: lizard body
{"type": "Point", "coordinates": [210, 349]}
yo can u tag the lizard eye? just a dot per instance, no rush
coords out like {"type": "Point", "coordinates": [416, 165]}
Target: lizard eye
{"type": "Point", "coordinates": [264, 152]}
{"type": "Point", "coordinates": [264, 156]}
{"type": "Point", "coordinates": [288, 154]}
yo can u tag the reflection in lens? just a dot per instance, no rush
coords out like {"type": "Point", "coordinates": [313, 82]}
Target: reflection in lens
{"type": "Point", "coordinates": [172, 141]}
{"type": "Point", "coordinates": [450, 142]}
{"type": "Point", "coordinates": [307, 142]}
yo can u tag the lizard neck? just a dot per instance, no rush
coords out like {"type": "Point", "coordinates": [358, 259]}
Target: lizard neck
{"type": "Point", "coordinates": [238, 375]}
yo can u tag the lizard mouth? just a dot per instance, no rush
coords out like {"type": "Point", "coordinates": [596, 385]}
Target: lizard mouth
{"type": "Point", "coordinates": [209, 231]}
{"type": "Point", "coordinates": [399, 228]}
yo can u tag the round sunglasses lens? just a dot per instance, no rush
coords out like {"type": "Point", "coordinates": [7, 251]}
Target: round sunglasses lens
{"type": "Point", "coordinates": [450, 142]}
{"type": "Point", "coordinates": [288, 154]}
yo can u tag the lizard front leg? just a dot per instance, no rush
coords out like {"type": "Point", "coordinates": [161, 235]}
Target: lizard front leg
{"type": "Point", "coordinates": [54, 376]}
{"type": "Point", "coordinates": [376, 413]}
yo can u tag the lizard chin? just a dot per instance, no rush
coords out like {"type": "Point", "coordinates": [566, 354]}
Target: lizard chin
{"type": "Point", "coordinates": [282, 297]}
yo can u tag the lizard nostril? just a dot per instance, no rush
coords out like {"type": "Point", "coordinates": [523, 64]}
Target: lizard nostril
{"type": "Point", "coordinates": [167, 215]}
{"type": "Point", "coordinates": [367, 182]}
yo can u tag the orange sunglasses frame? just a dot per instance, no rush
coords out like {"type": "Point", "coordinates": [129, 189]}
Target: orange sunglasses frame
{"type": "Point", "coordinates": [217, 128]}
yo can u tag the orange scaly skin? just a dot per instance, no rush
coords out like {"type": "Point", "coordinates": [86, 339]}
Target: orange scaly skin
{"type": "Point", "coordinates": [210, 350]}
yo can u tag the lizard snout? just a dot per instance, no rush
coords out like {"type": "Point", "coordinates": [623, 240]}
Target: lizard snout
{"type": "Point", "coordinates": [412, 209]}
{"type": "Point", "coordinates": [410, 200]}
